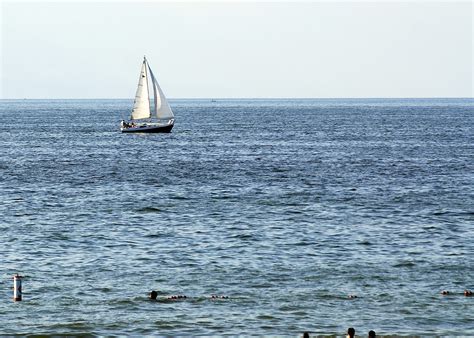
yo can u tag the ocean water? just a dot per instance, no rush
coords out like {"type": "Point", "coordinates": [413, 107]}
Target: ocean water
{"type": "Point", "coordinates": [285, 206]}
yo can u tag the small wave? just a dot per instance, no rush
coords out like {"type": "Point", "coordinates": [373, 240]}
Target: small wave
{"type": "Point", "coordinates": [266, 317]}
{"type": "Point", "coordinates": [243, 236]}
{"type": "Point", "coordinates": [179, 197]}
{"type": "Point", "coordinates": [149, 210]}
{"type": "Point", "coordinates": [162, 324]}
{"type": "Point", "coordinates": [157, 235]}
{"type": "Point", "coordinates": [455, 253]}
{"type": "Point", "coordinates": [223, 197]}
{"type": "Point", "coordinates": [303, 243]}
{"type": "Point", "coordinates": [453, 213]}
{"type": "Point", "coordinates": [365, 242]}
{"type": "Point", "coordinates": [404, 264]}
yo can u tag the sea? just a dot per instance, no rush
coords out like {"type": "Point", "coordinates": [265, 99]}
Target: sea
{"type": "Point", "coordinates": [307, 215]}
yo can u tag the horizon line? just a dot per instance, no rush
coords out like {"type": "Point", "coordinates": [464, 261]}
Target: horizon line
{"type": "Point", "coordinates": [256, 98]}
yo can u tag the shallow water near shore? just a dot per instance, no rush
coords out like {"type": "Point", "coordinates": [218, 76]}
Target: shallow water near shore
{"type": "Point", "coordinates": [285, 206]}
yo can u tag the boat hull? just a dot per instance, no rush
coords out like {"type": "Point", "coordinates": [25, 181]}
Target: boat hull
{"type": "Point", "coordinates": [148, 129]}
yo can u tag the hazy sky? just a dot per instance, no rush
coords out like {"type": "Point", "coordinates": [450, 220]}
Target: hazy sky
{"type": "Point", "coordinates": [237, 49]}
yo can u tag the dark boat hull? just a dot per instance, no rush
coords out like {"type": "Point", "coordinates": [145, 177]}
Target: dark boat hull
{"type": "Point", "coordinates": [149, 129]}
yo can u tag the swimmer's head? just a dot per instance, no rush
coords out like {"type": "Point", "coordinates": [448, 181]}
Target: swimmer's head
{"type": "Point", "coordinates": [153, 294]}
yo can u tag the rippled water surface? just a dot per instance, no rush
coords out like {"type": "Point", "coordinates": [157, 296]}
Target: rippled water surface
{"type": "Point", "coordinates": [285, 206]}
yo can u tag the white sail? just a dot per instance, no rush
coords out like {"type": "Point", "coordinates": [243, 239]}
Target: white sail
{"type": "Point", "coordinates": [141, 106]}
{"type": "Point", "coordinates": [162, 109]}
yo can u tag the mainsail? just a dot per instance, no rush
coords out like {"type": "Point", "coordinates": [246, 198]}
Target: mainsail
{"type": "Point", "coordinates": [141, 106]}
{"type": "Point", "coordinates": [162, 109]}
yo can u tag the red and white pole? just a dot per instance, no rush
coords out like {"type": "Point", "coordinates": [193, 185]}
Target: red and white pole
{"type": "Point", "coordinates": [17, 287]}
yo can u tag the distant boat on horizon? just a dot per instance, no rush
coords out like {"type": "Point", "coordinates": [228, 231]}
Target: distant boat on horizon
{"type": "Point", "coordinates": [149, 115]}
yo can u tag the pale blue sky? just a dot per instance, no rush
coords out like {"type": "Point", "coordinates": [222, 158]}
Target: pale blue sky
{"type": "Point", "coordinates": [237, 49]}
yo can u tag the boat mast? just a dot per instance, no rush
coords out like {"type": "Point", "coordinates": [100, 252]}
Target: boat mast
{"type": "Point", "coordinates": [147, 84]}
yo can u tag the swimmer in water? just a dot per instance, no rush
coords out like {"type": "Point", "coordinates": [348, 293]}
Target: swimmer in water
{"type": "Point", "coordinates": [175, 297]}
{"type": "Point", "coordinates": [467, 293]}
{"type": "Point", "coordinates": [153, 295]}
{"type": "Point", "coordinates": [219, 297]}
{"type": "Point", "coordinates": [445, 292]}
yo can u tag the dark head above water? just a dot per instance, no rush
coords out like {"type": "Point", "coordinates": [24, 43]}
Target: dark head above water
{"type": "Point", "coordinates": [371, 334]}
{"type": "Point", "coordinates": [351, 332]}
{"type": "Point", "coordinates": [153, 294]}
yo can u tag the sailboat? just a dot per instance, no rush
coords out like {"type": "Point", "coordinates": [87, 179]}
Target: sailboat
{"type": "Point", "coordinates": [149, 114]}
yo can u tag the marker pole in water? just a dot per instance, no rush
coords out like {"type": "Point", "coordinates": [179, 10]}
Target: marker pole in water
{"type": "Point", "coordinates": [17, 287]}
